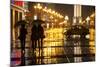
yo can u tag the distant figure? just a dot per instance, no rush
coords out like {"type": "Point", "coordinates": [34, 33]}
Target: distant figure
{"type": "Point", "coordinates": [22, 37]}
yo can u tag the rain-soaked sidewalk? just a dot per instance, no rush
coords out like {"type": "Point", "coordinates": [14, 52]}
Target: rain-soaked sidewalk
{"type": "Point", "coordinates": [55, 49]}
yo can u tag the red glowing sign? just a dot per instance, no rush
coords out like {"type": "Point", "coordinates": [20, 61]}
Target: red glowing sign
{"type": "Point", "coordinates": [19, 3]}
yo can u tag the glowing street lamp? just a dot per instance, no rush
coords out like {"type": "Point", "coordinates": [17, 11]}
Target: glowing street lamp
{"type": "Point", "coordinates": [88, 19]}
{"type": "Point", "coordinates": [45, 9]}
{"type": "Point", "coordinates": [35, 17]}
{"type": "Point", "coordinates": [53, 12]}
{"type": "Point", "coordinates": [35, 7]}
{"type": "Point", "coordinates": [49, 10]}
{"type": "Point", "coordinates": [66, 18]}
{"type": "Point", "coordinates": [40, 7]}
{"type": "Point", "coordinates": [38, 4]}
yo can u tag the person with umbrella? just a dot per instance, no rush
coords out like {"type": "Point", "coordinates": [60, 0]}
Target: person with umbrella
{"type": "Point", "coordinates": [36, 36]}
{"type": "Point", "coordinates": [22, 38]}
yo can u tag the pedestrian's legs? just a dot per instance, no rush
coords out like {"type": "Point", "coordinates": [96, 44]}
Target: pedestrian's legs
{"type": "Point", "coordinates": [33, 50]}
{"type": "Point", "coordinates": [39, 45]}
{"type": "Point", "coordinates": [22, 52]}
{"type": "Point", "coordinates": [41, 40]}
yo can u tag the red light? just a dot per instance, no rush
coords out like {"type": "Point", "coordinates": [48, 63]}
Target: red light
{"type": "Point", "coordinates": [19, 3]}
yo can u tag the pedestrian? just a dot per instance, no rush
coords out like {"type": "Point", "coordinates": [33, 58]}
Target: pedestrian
{"type": "Point", "coordinates": [34, 40]}
{"type": "Point", "coordinates": [41, 37]}
{"type": "Point", "coordinates": [37, 38]}
{"type": "Point", "coordinates": [22, 38]}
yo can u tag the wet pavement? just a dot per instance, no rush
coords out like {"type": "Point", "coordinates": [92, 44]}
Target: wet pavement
{"type": "Point", "coordinates": [56, 49]}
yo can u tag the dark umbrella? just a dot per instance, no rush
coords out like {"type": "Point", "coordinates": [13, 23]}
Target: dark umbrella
{"type": "Point", "coordinates": [21, 22]}
{"type": "Point", "coordinates": [38, 21]}
{"type": "Point", "coordinates": [79, 31]}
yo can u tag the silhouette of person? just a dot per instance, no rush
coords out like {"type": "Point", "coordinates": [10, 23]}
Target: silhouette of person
{"type": "Point", "coordinates": [37, 38]}
{"type": "Point", "coordinates": [41, 36]}
{"type": "Point", "coordinates": [22, 37]}
{"type": "Point", "coordinates": [34, 39]}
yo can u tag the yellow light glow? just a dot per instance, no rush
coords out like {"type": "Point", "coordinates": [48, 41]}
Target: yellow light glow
{"type": "Point", "coordinates": [35, 17]}
{"type": "Point", "coordinates": [80, 20]}
{"type": "Point", "coordinates": [45, 8]}
{"type": "Point", "coordinates": [53, 12]}
{"type": "Point", "coordinates": [92, 49]}
{"type": "Point", "coordinates": [38, 4]}
{"type": "Point", "coordinates": [51, 17]}
{"type": "Point", "coordinates": [60, 23]}
{"type": "Point", "coordinates": [35, 7]}
{"type": "Point", "coordinates": [88, 18]}
{"type": "Point", "coordinates": [47, 25]}
{"type": "Point", "coordinates": [49, 10]}
{"type": "Point", "coordinates": [56, 13]}
{"type": "Point", "coordinates": [55, 20]}
{"type": "Point", "coordinates": [92, 15]}
{"type": "Point", "coordinates": [66, 18]}
{"type": "Point", "coordinates": [40, 7]}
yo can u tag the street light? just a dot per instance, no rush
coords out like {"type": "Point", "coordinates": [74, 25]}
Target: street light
{"type": "Point", "coordinates": [66, 18]}
{"type": "Point", "coordinates": [49, 10]}
{"type": "Point", "coordinates": [38, 4]}
{"type": "Point", "coordinates": [35, 7]}
{"type": "Point", "coordinates": [35, 17]}
{"type": "Point", "coordinates": [88, 19]}
{"type": "Point", "coordinates": [53, 12]}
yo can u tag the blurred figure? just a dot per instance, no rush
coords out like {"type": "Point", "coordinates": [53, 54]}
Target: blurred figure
{"type": "Point", "coordinates": [22, 37]}
{"type": "Point", "coordinates": [41, 37]}
{"type": "Point", "coordinates": [37, 39]}
{"type": "Point", "coordinates": [34, 40]}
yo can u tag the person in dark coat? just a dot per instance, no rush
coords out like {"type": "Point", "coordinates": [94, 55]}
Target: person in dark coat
{"type": "Point", "coordinates": [37, 39]}
{"type": "Point", "coordinates": [22, 38]}
{"type": "Point", "coordinates": [34, 40]}
{"type": "Point", "coordinates": [35, 36]}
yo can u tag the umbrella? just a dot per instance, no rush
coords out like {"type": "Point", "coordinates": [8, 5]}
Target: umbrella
{"type": "Point", "coordinates": [38, 21]}
{"type": "Point", "coordinates": [21, 22]}
{"type": "Point", "coordinates": [79, 31]}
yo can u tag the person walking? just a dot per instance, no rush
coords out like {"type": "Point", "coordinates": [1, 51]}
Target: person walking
{"type": "Point", "coordinates": [34, 40]}
{"type": "Point", "coordinates": [37, 39]}
{"type": "Point", "coordinates": [41, 37]}
{"type": "Point", "coordinates": [22, 37]}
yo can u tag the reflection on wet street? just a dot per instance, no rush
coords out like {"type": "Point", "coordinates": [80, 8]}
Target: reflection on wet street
{"type": "Point", "coordinates": [58, 49]}
{"type": "Point", "coordinates": [53, 46]}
